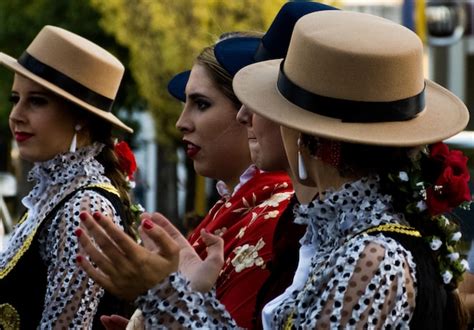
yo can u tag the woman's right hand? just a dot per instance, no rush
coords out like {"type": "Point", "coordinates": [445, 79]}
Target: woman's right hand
{"type": "Point", "coordinates": [128, 270]}
{"type": "Point", "coordinates": [123, 267]}
{"type": "Point", "coordinates": [202, 274]}
{"type": "Point", "coordinates": [114, 322]}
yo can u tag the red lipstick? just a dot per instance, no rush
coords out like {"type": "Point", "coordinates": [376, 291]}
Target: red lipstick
{"type": "Point", "coordinates": [21, 136]}
{"type": "Point", "coordinates": [192, 149]}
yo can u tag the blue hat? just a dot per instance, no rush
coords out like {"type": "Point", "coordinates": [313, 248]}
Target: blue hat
{"type": "Point", "coordinates": [235, 53]}
{"type": "Point", "coordinates": [177, 85]}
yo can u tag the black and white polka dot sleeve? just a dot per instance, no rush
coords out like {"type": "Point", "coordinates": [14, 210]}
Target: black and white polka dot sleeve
{"type": "Point", "coordinates": [173, 305]}
{"type": "Point", "coordinates": [370, 284]}
{"type": "Point", "coordinates": [71, 297]}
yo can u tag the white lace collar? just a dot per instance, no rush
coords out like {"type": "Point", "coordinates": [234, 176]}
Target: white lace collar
{"type": "Point", "coordinates": [346, 212]}
{"type": "Point", "coordinates": [63, 169]}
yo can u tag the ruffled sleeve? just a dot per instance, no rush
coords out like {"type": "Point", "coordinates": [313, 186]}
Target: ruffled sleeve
{"type": "Point", "coordinates": [173, 305]}
{"type": "Point", "coordinates": [71, 296]}
{"type": "Point", "coordinates": [371, 283]}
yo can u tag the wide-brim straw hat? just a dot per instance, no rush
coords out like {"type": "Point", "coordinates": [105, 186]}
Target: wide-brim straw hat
{"type": "Point", "coordinates": [74, 68]}
{"type": "Point", "coordinates": [353, 77]}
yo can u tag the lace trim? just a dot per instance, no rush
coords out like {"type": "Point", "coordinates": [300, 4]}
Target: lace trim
{"type": "Point", "coordinates": [19, 253]}
{"type": "Point", "coordinates": [105, 186]}
{"type": "Point", "coordinates": [395, 228]}
{"type": "Point", "coordinates": [9, 317]}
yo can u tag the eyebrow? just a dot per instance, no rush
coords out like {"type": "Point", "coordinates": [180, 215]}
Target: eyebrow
{"type": "Point", "coordinates": [35, 93]}
{"type": "Point", "coordinates": [194, 96]}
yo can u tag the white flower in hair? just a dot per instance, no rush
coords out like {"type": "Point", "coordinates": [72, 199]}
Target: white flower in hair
{"type": "Point", "coordinates": [456, 236]}
{"type": "Point", "coordinates": [464, 265]}
{"type": "Point", "coordinates": [453, 256]}
{"type": "Point", "coordinates": [444, 220]}
{"type": "Point", "coordinates": [435, 243]}
{"type": "Point", "coordinates": [421, 206]}
{"type": "Point", "coordinates": [403, 176]}
{"type": "Point", "coordinates": [447, 276]}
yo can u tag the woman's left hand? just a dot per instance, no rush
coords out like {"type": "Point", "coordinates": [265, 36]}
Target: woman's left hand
{"type": "Point", "coordinates": [123, 267]}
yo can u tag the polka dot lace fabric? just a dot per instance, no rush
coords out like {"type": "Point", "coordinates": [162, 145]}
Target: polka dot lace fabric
{"type": "Point", "coordinates": [355, 281]}
{"type": "Point", "coordinates": [71, 298]}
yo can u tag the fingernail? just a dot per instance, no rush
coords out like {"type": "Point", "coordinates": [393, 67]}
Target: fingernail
{"type": "Point", "coordinates": [147, 224]}
{"type": "Point", "coordinates": [78, 232]}
{"type": "Point", "coordinates": [79, 259]}
{"type": "Point", "coordinates": [83, 216]}
{"type": "Point", "coordinates": [96, 216]}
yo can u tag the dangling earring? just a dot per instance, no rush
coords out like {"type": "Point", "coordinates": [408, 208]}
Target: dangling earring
{"type": "Point", "coordinates": [302, 174]}
{"type": "Point", "coordinates": [73, 146]}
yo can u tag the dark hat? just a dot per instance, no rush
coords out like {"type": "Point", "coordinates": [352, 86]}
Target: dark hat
{"type": "Point", "coordinates": [177, 85]}
{"type": "Point", "coordinates": [235, 53]}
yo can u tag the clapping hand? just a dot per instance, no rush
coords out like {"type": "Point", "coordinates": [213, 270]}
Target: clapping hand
{"type": "Point", "coordinates": [128, 270]}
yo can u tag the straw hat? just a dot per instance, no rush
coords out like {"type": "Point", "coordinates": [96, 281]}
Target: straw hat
{"type": "Point", "coordinates": [74, 68]}
{"type": "Point", "coordinates": [353, 77]}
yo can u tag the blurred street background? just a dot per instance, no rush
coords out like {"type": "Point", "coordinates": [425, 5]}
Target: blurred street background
{"type": "Point", "coordinates": [156, 39]}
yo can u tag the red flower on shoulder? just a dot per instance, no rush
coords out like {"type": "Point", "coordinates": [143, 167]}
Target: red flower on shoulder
{"type": "Point", "coordinates": [450, 188]}
{"type": "Point", "coordinates": [126, 158]}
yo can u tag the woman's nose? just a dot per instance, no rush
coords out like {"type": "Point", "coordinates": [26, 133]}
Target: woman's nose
{"type": "Point", "coordinates": [184, 124]}
{"type": "Point", "coordinates": [244, 116]}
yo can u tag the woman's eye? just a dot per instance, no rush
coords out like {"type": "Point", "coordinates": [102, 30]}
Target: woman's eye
{"type": "Point", "coordinates": [202, 104]}
{"type": "Point", "coordinates": [13, 99]}
{"type": "Point", "coordinates": [38, 101]}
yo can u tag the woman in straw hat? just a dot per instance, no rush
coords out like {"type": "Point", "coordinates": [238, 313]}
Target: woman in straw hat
{"type": "Point", "coordinates": [62, 95]}
{"type": "Point", "coordinates": [360, 123]}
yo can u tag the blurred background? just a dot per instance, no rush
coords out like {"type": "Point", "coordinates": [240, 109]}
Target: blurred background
{"type": "Point", "coordinates": [156, 39]}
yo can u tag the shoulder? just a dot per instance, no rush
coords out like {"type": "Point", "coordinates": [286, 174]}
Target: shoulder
{"type": "Point", "coordinates": [91, 199]}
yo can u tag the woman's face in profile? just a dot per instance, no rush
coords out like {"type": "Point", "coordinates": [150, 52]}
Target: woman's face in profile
{"type": "Point", "coordinates": [214, 140]}
{"type": "Point", "coordinates": [39, 121]}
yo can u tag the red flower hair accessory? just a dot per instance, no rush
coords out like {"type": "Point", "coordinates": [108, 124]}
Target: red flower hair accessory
{"type": "Point", "coordinates": [450, 186]}
{"type": "Point", "coordinates": [434, 184]}
{"type": "Point", "coordinates": [126, 159]}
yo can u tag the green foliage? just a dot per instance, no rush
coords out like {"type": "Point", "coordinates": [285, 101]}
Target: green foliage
{"type": "Point", "coordinates": [165, 36]}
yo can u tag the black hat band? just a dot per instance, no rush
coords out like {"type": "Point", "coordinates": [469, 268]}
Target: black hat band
{"type": "Point", "coordinates": [64, 82]}
{"type": "Point", "coordinates": [348, 110]}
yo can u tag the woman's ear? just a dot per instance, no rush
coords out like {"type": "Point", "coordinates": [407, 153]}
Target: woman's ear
{"type": "Point", "coordinates": [298, 156]}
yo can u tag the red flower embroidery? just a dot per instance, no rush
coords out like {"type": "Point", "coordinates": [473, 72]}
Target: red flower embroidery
{"type": "Point", "coordinates": [450, 187]}
{"type": "Point", "coordinates": [126, 159]}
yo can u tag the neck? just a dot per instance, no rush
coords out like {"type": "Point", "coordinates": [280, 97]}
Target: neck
{"type": "Point", "coordinates": [233, 181]}
{"type": "Point", "coordinates": [328, 177]}
{"type": "Point", "coordinates": [304, 194]}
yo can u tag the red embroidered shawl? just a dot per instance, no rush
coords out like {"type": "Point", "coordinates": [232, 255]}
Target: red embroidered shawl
{"type": "Point", "coordinates": [246, 222]}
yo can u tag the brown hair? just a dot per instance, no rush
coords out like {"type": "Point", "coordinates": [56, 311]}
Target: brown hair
{"type": "Point", "coordinates": [101, 131]}
{"type": "Point", "coordinates": [222, 78]}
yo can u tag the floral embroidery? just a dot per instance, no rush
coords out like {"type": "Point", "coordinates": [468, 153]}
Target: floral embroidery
{"type": "Point", "coordinates": [276, 199]}
{"type": "Point", "coordinates": [241, 232]}
{"type": "Point", "coordinates": [220, 231]}
{"type": "Point", "coordinates": [247, 256]}
{"type": "Point", "coordinates": [271, 214]}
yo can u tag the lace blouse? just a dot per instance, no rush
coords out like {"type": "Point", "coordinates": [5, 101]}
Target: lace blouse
{"type": "Point", "coordinates": [350, 280]}
{"type": "Point", "coordinates": [71, 297]}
